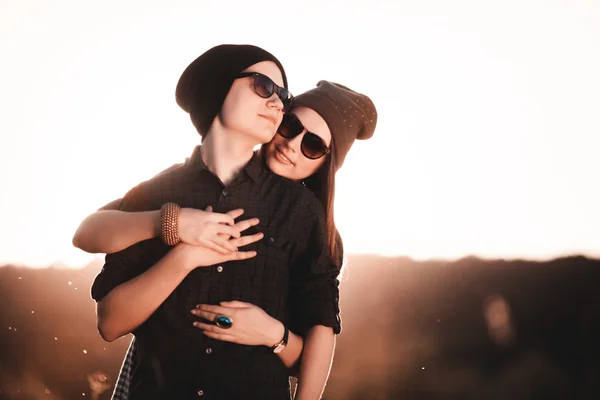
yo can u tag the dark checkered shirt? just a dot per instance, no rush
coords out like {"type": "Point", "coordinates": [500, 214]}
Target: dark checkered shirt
{"type": "Point", "coordinates": [292, 278]}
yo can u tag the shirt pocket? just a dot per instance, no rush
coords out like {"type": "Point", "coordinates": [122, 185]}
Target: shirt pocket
{"type": "Point", "coordinates": [277, 247]}
{"type": "Point", "coordinates": [272, 272]}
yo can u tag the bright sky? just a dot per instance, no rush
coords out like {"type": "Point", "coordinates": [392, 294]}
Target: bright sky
{"type": "Point", "coordinates": [488, 129]}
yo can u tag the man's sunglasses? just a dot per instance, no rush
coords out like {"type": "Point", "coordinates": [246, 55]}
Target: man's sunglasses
{"type": "Point", "coordinates": [312, 146]}
{"type": "Point", "coordinates": [265, 87]}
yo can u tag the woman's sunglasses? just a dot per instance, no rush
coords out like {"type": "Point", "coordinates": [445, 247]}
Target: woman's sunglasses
{"type": "Point", "coordinates": [312, 146]}
{"type": "Point", "coordinates": [265, 87]}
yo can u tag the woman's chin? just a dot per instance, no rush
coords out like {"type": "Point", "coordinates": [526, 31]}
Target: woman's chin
{"type": "Point", "coordinates": [278, 168]}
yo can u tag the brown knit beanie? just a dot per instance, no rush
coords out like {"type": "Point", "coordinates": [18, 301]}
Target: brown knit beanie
{"type": "Point", "coordinates": [349, 115]}
{"type": "Point", "coordinates": [203, 86]}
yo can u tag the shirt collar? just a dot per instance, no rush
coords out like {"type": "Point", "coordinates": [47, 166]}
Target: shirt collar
{"type": "Point", "coordinates": [254, 168]}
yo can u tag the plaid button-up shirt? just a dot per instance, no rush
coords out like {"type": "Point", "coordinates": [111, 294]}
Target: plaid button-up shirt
{"type": "Point", "coordinates": [292, 278]}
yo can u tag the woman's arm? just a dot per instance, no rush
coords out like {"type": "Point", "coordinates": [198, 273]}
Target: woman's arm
{"type": "Point", "coordinates": [319, 345]}
{"type": "Point", "coordinates": [110, 231]}
{"type": "Point", "coordinates": [131, 303]}
{"type": "Point", "coordinates": [128, 305]}
{"type": "Point", "coordinates": [251, 326]}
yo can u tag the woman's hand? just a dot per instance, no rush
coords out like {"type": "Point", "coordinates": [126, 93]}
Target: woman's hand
{"type": "Point", "coordinates": [211, 230]}
{"type": "Point", "coordinates": [251, 324]}
{"type": "Point", "coordinates": [197, 256]}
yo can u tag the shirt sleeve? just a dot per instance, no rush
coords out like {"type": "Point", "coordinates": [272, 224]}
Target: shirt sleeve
{"type": "Point", "coordinates": [127, 264]}
{"type": "Point", "coordinates": [314, 291]}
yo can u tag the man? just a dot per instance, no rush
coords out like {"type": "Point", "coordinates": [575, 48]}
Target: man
{"type": "Point", "coordinates": [235, 98]}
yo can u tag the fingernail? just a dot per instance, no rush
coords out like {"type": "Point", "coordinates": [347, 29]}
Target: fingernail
{"type": "Point", "coordinates": [193, 312]}
{"type": "Point", "coordinates": [195, 324]}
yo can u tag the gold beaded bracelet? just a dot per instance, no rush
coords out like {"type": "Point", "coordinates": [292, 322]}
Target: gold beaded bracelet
{"type": "Point", "coordinates": [169, 223]}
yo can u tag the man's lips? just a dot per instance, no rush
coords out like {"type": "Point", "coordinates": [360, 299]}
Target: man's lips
{"type": "Point", "coordinates": [269, 117]}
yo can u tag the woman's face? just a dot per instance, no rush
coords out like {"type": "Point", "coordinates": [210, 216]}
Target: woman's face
{"type": "Point", "coordinates": [245, 112]}
{"type": "Point", "coordinates": [284, 156]}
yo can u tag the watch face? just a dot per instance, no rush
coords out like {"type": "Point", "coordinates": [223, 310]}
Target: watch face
{"type": "Point", "coordinates": [279, 348]}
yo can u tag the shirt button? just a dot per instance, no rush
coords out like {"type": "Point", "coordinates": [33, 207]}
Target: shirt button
{"type": "Point", "coordinates": [224, 193]}
{"type": "Point", "coordinates": [271, 239]}
{"type": "Point", "coordinates": [219, 269]}
{"type": "Point", "coordinates": [200, 392]}
{"type": "Point", "coordinates": [208, 350]}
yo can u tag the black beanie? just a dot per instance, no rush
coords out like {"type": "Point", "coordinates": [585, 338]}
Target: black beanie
{"type": "Point", "coordinates": [349, 115]}
{"type": "Point", "coordinates": [203, 86]}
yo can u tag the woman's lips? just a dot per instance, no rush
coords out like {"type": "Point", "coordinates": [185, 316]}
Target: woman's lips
{"type": "Point", "coordinates": [282, 157]}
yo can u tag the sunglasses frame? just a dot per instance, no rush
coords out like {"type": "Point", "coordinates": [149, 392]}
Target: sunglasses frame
{"type": "Point", "coordinates": [308, 133]}
{"type": "Point", "coordinates": [276, 88]}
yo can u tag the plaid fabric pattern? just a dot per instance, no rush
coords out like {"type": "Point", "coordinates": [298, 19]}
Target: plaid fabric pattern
{"type": "Point", "coordinates": [121, 391]}
{"type": "Point", "coordinates": [292, 278]}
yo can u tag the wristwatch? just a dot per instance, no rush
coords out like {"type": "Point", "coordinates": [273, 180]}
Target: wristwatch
{"type": "Point", "coordinates": [278, 347]}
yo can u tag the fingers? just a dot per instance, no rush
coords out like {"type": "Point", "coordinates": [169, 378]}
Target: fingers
{"type": "Point", "coordinates": [215, 332]}
{"type": "Point", "coordinates": [235, 213]}
{"type": "Point", "coordinates": [240, 255]}
{"type": "Point", "coordinates": [225, 250]}
{"type": "Point", "coordinates": [246, 240]}
{"type": "Point", "coordinates": [227, 218]}
{"type": "Point", "coordinates": [243, 225]}
{"type": "Point", "coordinates": [224, 243]}
{"type": "Point", "coordinates": [204, 308]}
{"type": "Point", "coordinates": [206, 327]}
{"type": "Point", "coordinates": [235, 304]}
{"type": "Point", "coordinates": [227, 230]}
{"type": "Point", "coordinates": [220, 336]}
{"type": "Point", "coordinates": [209, 209]}
{"type": "Point", "coordinates": [207, 315]}
{"type": "Point", "coordinates": [222, 219]}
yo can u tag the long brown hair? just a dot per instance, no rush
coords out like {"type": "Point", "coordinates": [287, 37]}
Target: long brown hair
{"type": "Point", "coordinates": [322, 184]}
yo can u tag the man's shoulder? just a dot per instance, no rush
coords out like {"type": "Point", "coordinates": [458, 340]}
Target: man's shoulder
{"type": "Point", "coordinates": [139, 197]}
{"type": "Point", "coordinates": [170, 175]}
{"type": "Point", "coordinates": [172, 169]}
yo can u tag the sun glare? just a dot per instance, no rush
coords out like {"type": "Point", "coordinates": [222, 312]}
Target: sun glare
{"type": "Point", "coordinates": [485, 143]}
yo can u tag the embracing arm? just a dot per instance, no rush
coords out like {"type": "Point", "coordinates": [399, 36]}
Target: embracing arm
{"type": "Point", "coordinates": [110, 231]}
{"type": "Point", "coordinates": [131, 303]}
{"type": "Point", "coordinates": [292, 352]}
{"type": "Point", "coordinates": [314, 304]}
{"type": "Point", "coordinates": [319, 344]}
{"type": "Point", "coordinates": [290, 356]}
{"type": "Point", "coordinates": [252, 327]}
{"type": "Point", "coordinates": [124, 306]}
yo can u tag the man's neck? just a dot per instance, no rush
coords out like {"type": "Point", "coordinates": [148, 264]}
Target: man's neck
{"type": "Point", "coordinates": [225, 153]}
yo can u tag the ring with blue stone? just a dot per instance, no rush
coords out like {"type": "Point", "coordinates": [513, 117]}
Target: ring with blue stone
{"type": "Point", "coordinates": [223, 322]}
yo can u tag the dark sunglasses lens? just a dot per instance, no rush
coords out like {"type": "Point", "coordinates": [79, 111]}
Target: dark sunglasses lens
{"type": "Point", "coordinates": [313, 146]}
{"type": "Point", "coordinates": [287, 104]}
{"type": "Point", "coordinates": [290, 127]}
{"type": "Point", "coordinates": [283, 94]}
{"type": "Point", "coordinates": [264, 86]}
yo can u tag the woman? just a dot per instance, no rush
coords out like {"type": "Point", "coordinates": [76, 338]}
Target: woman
{"type": "Point", "coordinates": [310, 146]}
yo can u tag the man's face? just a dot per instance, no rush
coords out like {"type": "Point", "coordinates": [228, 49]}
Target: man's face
{"type": "Point", "coordinates": [249, 114]}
